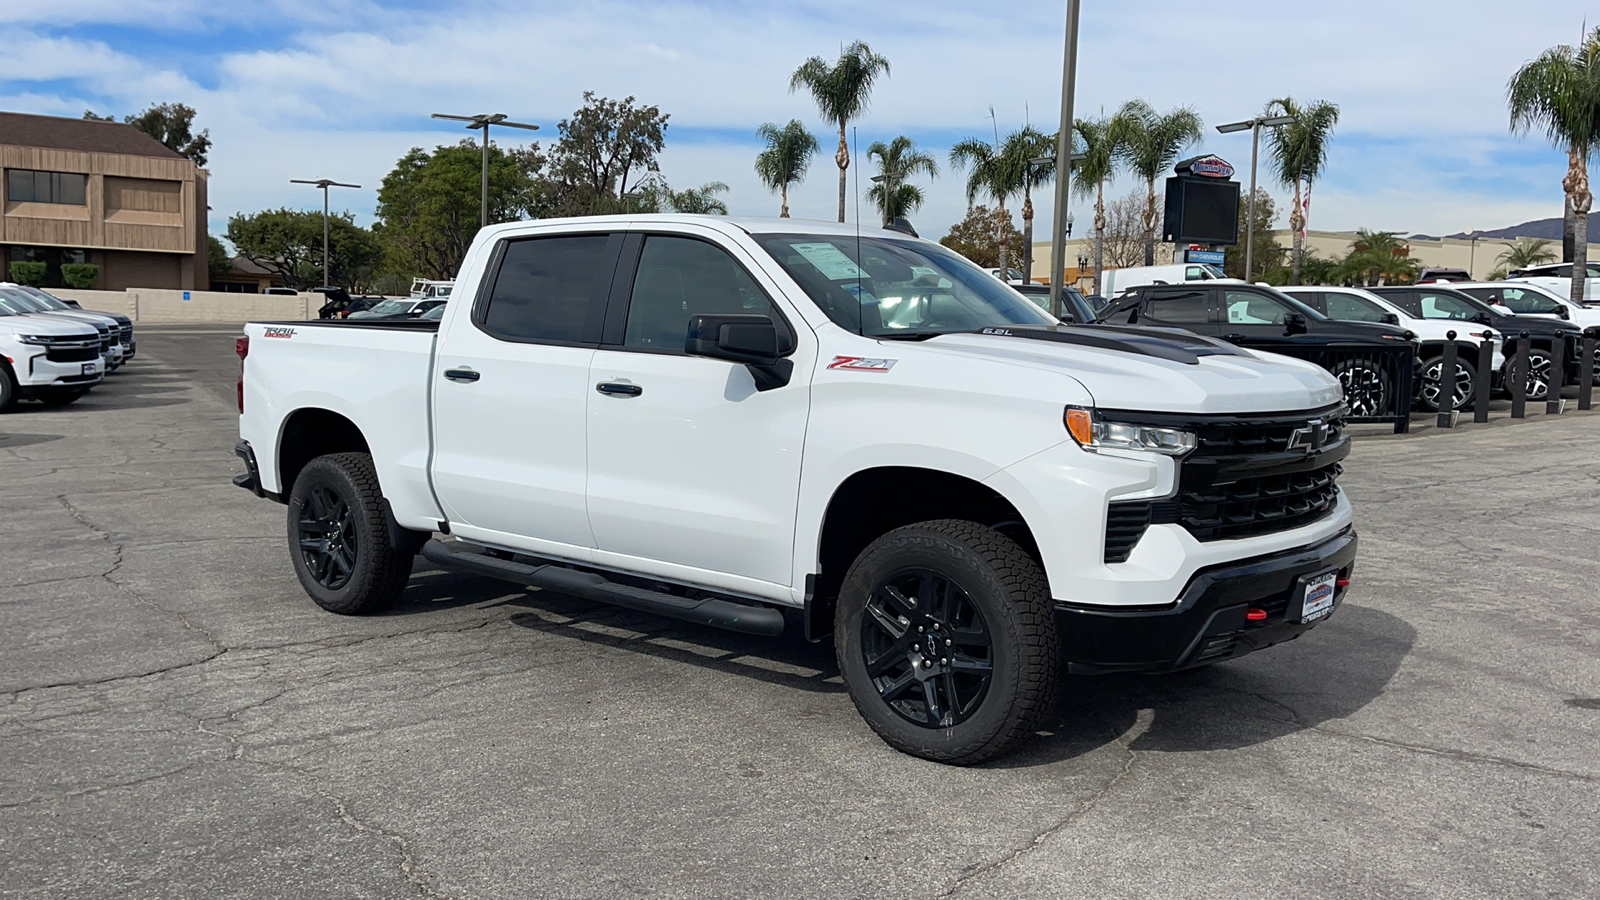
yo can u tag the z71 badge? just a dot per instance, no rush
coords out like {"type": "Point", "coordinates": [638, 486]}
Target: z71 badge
{"type": "Point", "coordinates": [279, 333]}
{"type": "Point", "coordinates": [862, 364]}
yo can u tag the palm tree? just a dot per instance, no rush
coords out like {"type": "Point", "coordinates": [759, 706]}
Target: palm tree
{"type": "Point", "coordinates": [1381, 256]}
{"type": "Point", "coordinates": [1559, 94]}
{"type": "Point", "coordinates": [1098, 166]}
{"type": "Point", "coordinates": [992, 173]}
{"type": "Point", "coordinates": [1298, 152]}
{"type": "Point", "coordinates": [1149, 144]}
{"type": "Point", "coordinates": [898, 161]}
{"type": "Point", "coordinates": [1524, 253]}
{"type": "Point", "coordinates": [786, 159]}
{"type": "Point", "coordinates": [841, 91]}
{"type": "Point", "coordinates": [1021, 148]}
{"type": "Point", "coordinates": [702, 200]}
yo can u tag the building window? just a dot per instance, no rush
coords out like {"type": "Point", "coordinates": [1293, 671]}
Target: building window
{"type": "Point", "coordinates": [26, 185]}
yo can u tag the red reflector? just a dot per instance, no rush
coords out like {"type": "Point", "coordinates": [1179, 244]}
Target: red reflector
{"type": "Point", "coordinates": [1342, 582]}
{"type": "Point", "coordinates": [1256, 615]}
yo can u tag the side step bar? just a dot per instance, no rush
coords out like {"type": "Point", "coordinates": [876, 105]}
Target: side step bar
{"type": "Point", "coordinates": [760, 620]}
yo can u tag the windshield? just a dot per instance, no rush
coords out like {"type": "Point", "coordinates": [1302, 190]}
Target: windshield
{"type": "Point", "coordinates": [9, 307]}
{"type": "Point", "coordinates": [890, 288]}
{"type": "Point", "coordinates": [22, 301]}
{"type": "Point", "coordinates": [391, 307]}
{"type": "Point", "coordinates": [49, 301]}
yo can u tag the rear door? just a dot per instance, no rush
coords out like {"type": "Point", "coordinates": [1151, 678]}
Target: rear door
{"type": "Point", "coordinates": [511, 387]}
{"type": "Point", "coordinates": [693, 473]}
{"type": "Point", "coordinates": [1189, 308]}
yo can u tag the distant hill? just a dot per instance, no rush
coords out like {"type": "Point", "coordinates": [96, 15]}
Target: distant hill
{"type": "Point", "coordinates": [1549, 229]}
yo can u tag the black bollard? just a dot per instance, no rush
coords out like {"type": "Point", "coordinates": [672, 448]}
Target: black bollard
{"type": "Point", "coordinates": [1447, 382]}
{"type": "Point", "coordinates": [1480, 403]}
{"type": "Point", "coordinates": [1586, 370]}
{"type": "Point", "coordinates": [1558, 375]}
{"type": "Point", "coordinates": [1519, 378]}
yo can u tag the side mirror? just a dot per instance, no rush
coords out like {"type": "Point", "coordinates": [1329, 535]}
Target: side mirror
{"type": "Point", "coordinates": [1389, 319]}
{"type": "Point", "coordinates": [1563, 313]}
{"type": "Point", "coordinates": [749, 340]}
{"type": "Point", "coordinates": [1295, 323]}
{"type": "Point", "coordinates": [1483, 319]}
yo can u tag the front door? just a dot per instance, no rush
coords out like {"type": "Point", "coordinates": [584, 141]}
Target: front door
{"type": "Point", "coordinates": [510, 392]}
{"type": "Point", "coordinates": [1258, 320]}
{"type": "Point", "coordinates": [693, 473]}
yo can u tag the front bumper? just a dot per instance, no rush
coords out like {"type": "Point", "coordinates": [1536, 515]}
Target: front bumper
{"type": "Point", "coordinates": [1208, 623]}
{"type": "Point", "coordinates": [40, 372]}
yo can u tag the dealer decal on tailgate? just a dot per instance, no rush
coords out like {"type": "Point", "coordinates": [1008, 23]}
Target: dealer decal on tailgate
{"type": "Point", "coordinates": [862, 364]}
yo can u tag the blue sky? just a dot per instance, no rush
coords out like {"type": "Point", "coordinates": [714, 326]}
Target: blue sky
{"type": "Point", "coordinates": [342, 88]}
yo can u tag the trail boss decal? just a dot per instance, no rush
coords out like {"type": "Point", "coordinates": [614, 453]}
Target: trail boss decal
{"type": "Point", "coordinates": [862, 364]}
{"type": "Point", "coordinates": [279, 333]}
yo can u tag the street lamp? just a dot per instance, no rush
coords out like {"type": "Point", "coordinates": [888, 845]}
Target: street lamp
{"type": "Point", "coordinates": [484, 121]}
{"type": "Point", "coordinates": [1069, 75]}
{"type": "Point", "coordinates": [1035, 164]}
{"type": "Point", "coordinates": [1255, 125]}
{"type": "Point", "coordinates": [628, 198]}
{"type": "Point", "coordinates": [324, 183]}
{"type": "Point", "coordinates": [891, 183]}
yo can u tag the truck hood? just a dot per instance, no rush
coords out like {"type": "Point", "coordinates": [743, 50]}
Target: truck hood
{"type": "Point", "coordinates": [1192, 374]}
{"type": "Point", "coordinates": [47, 324]}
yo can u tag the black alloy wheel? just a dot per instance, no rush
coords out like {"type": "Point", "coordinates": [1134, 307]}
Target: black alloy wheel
{"type": "Point", "coordinates": [1366, 387]}
{"type": "Point", "coordinates": [927, 648]}
{"type": "Point", "coordinates": [1465, 384]}
{"type": "Point", "coordinates": [328, 541]}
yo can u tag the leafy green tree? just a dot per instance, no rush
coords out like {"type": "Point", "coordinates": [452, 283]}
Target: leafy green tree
{"type": "Point", "coordinates": [218, 260]}
{"type": "Point", "coordinates": [29, 272]}
{"type": "Point", "coordinates": [975, 237]}
{"type": "Point", "coordinates": [841, 91]}
{"type": "Point", "coordinates": [1559, 94]}
{"type": "Point", "coordinates": [428, 205]}
{"type": "Point", "coordinates": [786, 158]}
{"type": "Point", "coordinates": [170, 123]}
{"type": "Point", "coordinates": [1526, 252]}
{"type": "Point", "coordinates": [1381, 257]}
{"type": "Point", "coordinates": [1149, 143]}
{"type": "Point", "coordinates": [1268, 252]}
{"type": "Point", "coordinates": [1313, 269]}
{"type": "Point", "coordinates": [898, 162]}
{"type": "Point", "coordinates": [1298, 153]}
{"type": "Point", "coordinates": [606, 147]}
{"type": "Point", "coordinates": [1098, 139]}
{"type": "Point", "coordinates": [288, 242]}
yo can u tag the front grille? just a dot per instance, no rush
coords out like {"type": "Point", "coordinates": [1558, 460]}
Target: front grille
{"type": "Point", "coordinates": [125, 333]}
{"type": "Point", "coordinates": [1246, 477]}
{"type": "Point", "coordinates": [72, 354]}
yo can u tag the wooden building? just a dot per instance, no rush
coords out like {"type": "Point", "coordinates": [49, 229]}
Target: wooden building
{"type": "Point", "coordinates": [83, 191]}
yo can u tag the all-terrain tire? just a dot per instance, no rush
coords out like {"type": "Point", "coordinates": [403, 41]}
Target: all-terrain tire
{"type": "Point", "coordinates": [339, 536]}
{"type": "Point", "coordinates": [995, 579]}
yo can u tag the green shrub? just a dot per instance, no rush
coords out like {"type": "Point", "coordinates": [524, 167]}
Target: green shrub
{"type": "Point", "coordinates": [80, 275]}
{"type": "Point", "coordinates": [28, 273]}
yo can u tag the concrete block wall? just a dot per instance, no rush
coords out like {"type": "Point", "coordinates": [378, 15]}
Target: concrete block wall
{"type": "Point", "coordinates": [196, 307]}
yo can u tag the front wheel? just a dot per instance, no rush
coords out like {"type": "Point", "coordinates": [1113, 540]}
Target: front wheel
{"type": "Point", "coordinates": [339, 537]}
{"type": "Point", "coordinates": [946, 638]}
{"type": "Point", "coordinates": [1366, 387]}
{"type": "Point", "coordinates": [1460, 388]}
{"type": "Point", "coordinates": [1538, 377]}
{"type": "Point", "coordinates": [8, 389]}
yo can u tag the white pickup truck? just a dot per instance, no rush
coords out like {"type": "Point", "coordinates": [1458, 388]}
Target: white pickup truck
{"type": "Point", "coordinates": [748, 422]}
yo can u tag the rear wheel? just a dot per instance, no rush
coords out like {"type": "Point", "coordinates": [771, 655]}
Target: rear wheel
{"type": "Point", "coordinates": [946, 637]}
{"type": "Point", "coordinates": [8, 388]}
{"type": "Point", "coordinates": [1538, 375]}
{"type": "Point", "coordinates": [1366, 387]}
{"type": "Point", "coordinates": [339, 537]}
{"type": "Point", "coordinates": [1461, 387]}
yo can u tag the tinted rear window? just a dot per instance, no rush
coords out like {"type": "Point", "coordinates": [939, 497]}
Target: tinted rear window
{"type": "Point", "coordinates": [551, 289]}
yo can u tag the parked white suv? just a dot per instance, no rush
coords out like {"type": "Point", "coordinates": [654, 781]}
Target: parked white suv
{"type": "Point", "coordinates": [1356, 305]}
{"type": "Point", "coordinates": [46, 358]}
{"type": "Point", "coordinates": [1557, 277]}
{"type": "Point", "coordinates": [1531, 298]}
{"type": "Point", "coordinates": [748, 422]}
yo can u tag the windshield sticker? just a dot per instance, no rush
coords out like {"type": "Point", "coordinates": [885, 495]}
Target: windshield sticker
{"type": "Point", "coordinates": [830, 261]}
{"type": "Point", "coordinates": [862, 364]}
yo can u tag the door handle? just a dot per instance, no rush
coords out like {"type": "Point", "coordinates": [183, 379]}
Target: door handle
{"type": "Point", "coordinates": [461, 376]}
{"type": "Point", "coordinates": [1233, 337]}
{"type": "Point", "coordinates": [619, 389]}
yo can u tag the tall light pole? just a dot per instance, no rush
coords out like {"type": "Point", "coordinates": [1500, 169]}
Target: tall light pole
{"type": "Point", "coordinates": [484, 121]}
{"type": "Point", "coordinates": [324, 183]}
{"type": "Point", "coordinates": [1069, 77]}
{"type": "Point", "coordinates": [1255, 125]}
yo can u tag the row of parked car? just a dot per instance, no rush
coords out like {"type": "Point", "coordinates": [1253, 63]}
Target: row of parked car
{"type": "Point", "coordinates": [54, 352]}
{"type": "Point", "coordinates": [1353, 331]}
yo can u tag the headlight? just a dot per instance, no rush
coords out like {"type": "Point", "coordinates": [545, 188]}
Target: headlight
{"type": "Point", "coordinates": [39, 340]}
{"type": "Point", "coordinates": [1094, 433]}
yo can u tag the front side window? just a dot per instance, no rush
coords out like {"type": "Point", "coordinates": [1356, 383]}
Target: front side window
{"type": "Point", "coordinates": [1444, 306]}
{"type": "Point", "coordinates": [1526, 302]}
{"type": "Point", "coordinates": [1180, 307]}
{"type": "Point", "coordinates": [880, 287]}
{"type": "Point", "coordinates": [681, 277]}
{"type": "Point", "coordinates": [1352, 308]}
{"type": "Point", "coordinates": [29, 186]}
{"type": "Point", "coordinates": [550, 289]}
{"type": "Point", "coordinates": [1254, 308]}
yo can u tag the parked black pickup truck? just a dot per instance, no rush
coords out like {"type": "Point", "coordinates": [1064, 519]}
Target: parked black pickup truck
{"type": "Point", "coordinates": [1373, 361]}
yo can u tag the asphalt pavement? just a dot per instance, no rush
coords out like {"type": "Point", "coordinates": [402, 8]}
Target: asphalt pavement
{"type": "Point", "coordinates": [177, 719]}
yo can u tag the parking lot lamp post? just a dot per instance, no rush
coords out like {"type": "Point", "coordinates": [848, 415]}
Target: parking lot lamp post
{"type": "Point", "coordinates": [1069, 75]}
{"type": "Point", "coordinates": [324, 183]}
{"type": "Point", "coordinates": [484, 121]}
{"type": "Point", "coordinates": [1255, 126]}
